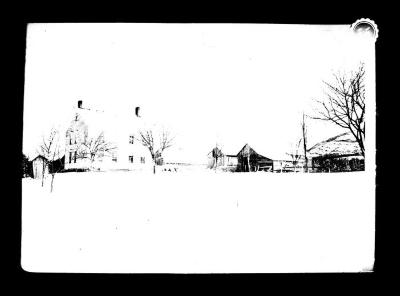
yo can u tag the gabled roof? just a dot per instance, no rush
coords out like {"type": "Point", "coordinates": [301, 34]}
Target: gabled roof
{"type": "Point", "coordinates": [113, 125]}
{"type": "Point", "coordinates": [234, 152]}
{"type": "Point", "coordinates": [42, 157]}
{"type": "Point", "coordinates": [35, 156]}
{"type": "Point", "coordinates": [343, 144]}
{"type": "Point", "coordinates": [251, 151]}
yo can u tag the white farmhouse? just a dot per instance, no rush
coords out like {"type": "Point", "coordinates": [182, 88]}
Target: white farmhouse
{"type": "Point", "coordinates": [100, 140]}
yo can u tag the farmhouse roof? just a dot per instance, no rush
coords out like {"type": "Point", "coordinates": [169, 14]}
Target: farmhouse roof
{"type": "Point", "coordinates": [113, 125]}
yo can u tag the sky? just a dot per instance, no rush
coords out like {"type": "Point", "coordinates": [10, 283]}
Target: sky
{"type": "Point", "coordinates": [229, 84]}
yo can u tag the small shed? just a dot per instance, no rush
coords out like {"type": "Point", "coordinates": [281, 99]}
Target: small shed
{"type": "Point", "coordinates": [40, 166]}
{"type": "Point", "coordinates": [223, 159]}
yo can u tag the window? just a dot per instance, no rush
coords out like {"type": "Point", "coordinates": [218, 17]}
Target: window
{"type": "Point", "coordinates": [131, 158]}
{"type": "Point", "coordinates": [70, 157]}
{"type": "Point", "coordinates": [75, 157]}
{"type": "Point", "coordinates": [131, 139]}
{"type": "Point", "coordinates": [114, 158]}
{"type": "Point", "coordinates": [142, 160]}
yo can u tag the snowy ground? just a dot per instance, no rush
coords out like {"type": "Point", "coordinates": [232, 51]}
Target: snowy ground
{"type": "Point", "coordinates": [199, 222]}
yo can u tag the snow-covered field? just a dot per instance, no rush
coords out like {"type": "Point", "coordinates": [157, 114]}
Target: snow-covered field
{"type": "Point", "coordinates": [204, 221]}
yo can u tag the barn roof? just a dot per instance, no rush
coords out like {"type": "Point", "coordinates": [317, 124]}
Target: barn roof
{"type": "Point", "coordinates": [343, 144]}
{"type": "Point", "coordinates": [252, 151]}
{"type": "Point", "coordinates": [234, 150]}
{"type": "Point", "coordinates": [269, 148]}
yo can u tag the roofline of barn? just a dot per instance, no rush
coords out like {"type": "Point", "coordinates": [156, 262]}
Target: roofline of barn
{"type": "Point", "coordinates": [328, 140]}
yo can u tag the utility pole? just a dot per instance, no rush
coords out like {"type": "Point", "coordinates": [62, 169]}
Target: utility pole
{"type": "Point", "coordinates": [304, 130]}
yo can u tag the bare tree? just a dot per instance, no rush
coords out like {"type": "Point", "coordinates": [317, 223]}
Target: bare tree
{"type": "Point", "coordinates": [46, 149]}
{"type": "Point", "coordinates": [50, 149]}
{"type": "Point", "coordinates": [304, 133]}
{"type": "Point", "coordinates": [247, 154]}
{"type": "Point", "coordinates": [216, 154]}
{"type": "Point", "coordinates": [94, 147]}
{"type": "Point", "coordinates": [55, 163]}
{"type": "Point", "coordinates": [295, 154]}
{"type": "Point", "coordinates": [156, 148]}
{"type": "Point", "coordinates": [345, 104]}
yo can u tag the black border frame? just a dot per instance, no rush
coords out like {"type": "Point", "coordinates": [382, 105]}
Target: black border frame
{"type": "Point", "coordinates": [17, 43]}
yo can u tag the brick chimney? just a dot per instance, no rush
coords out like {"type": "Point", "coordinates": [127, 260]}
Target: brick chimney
{"type": "Point", "coordinates": [80, 104]}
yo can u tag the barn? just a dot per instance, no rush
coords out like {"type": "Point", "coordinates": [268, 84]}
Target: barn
{"type": "Point", "coordinates": [251, 161]}
{"type": "Point", "coordinates": [246, 160]}
{"type": "Point", "coordinates": [339, 153]}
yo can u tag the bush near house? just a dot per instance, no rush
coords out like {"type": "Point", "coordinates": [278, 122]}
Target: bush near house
{"type": "Point", "coordinates": [26, 169]}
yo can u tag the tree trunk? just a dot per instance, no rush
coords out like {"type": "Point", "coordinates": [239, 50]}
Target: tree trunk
{"type": "Point", "coordinates": [43, 173]}
{"type": "Point", "coordinates": [306, 166]}
{"type": "Point", "coordinates": [361, 145]}
{"type": "Point", "coordinates": [52, 180]}
{"type": "Point", "coordinates": [305, 143]}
